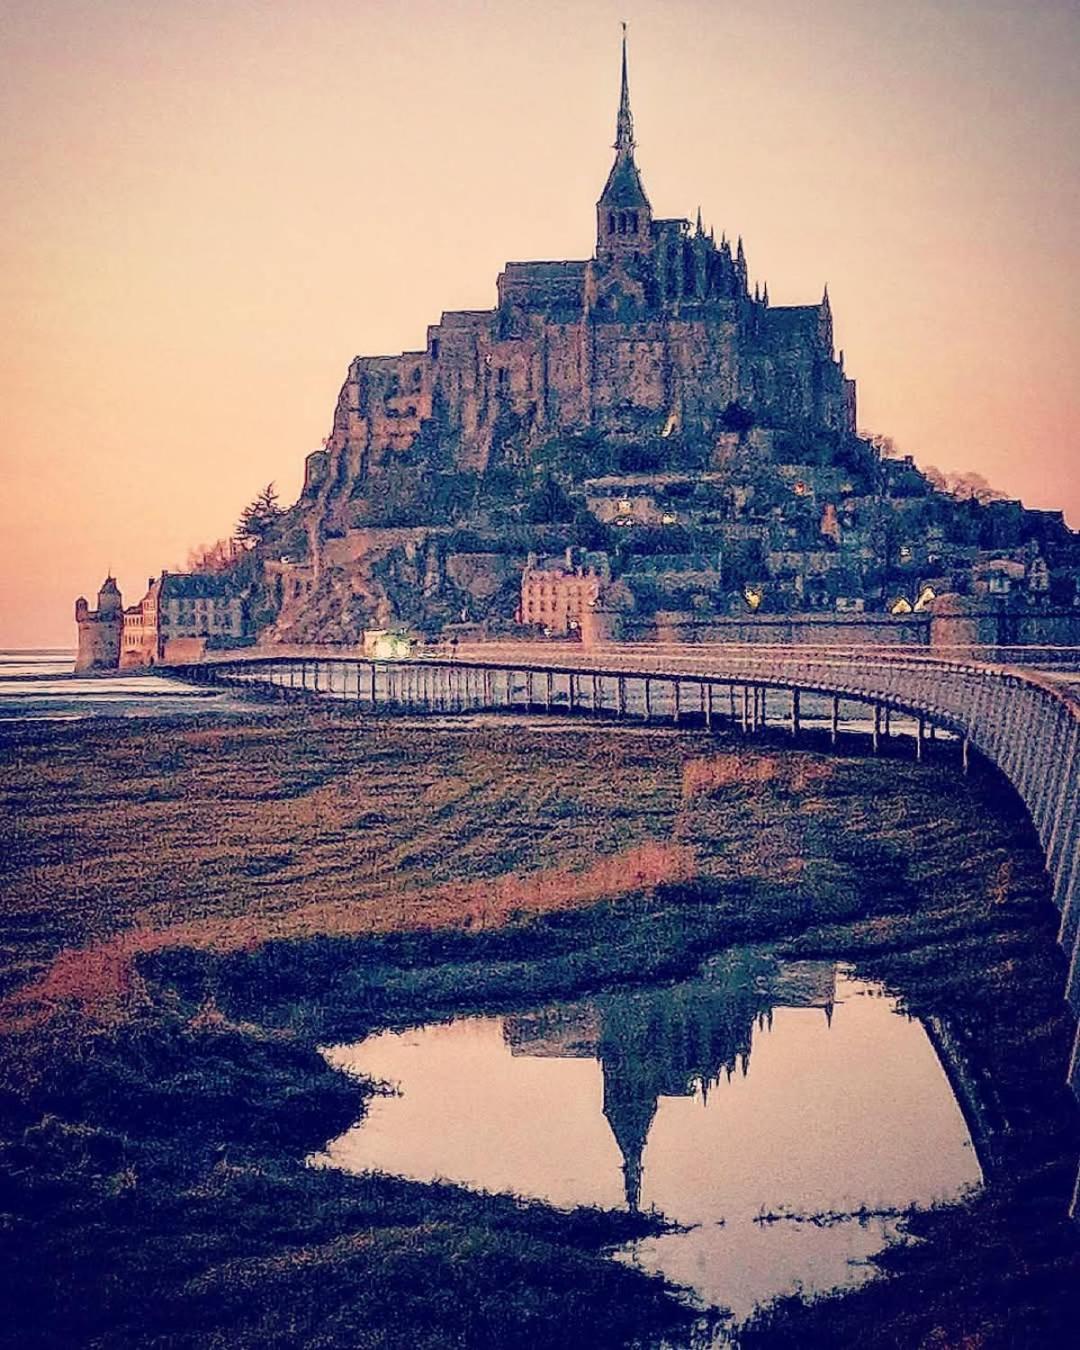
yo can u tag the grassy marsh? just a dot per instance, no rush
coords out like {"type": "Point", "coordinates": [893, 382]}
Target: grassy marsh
{"type": "Point", "coordinates": [191, 908]}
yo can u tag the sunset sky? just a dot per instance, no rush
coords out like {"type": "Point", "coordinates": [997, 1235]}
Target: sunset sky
{"type": "Point", "coordinates": [206, 209]}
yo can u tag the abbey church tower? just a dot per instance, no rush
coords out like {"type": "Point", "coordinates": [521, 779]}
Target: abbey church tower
{"type": "Point", "coordinates": [623, 213]}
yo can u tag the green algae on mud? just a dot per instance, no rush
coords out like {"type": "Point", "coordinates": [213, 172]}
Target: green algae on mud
{"type": "Point", "coordinates": [153, 1139]}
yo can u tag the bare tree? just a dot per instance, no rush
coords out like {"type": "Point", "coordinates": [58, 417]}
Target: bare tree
{"type": "Point", "coordinates": [215, 558]}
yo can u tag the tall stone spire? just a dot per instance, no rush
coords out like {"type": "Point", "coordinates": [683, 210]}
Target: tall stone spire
{"type": "Point", "coordinates": [624, 125]}
{"type": "Point", "coordinates": [623, 213]}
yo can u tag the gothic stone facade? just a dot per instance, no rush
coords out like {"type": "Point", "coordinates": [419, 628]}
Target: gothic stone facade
{"type": "Point", "coordinates": [657, 333]}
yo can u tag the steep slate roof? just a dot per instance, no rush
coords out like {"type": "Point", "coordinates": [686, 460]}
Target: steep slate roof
{"type": "Point", "coordinates": [544, 282]}
{"type": "Point", "coordinates": [545, 271]}
{"type": "Point", "coordinates": [623, 187]}
{"type": "Point", "coordinates": [192, 586]}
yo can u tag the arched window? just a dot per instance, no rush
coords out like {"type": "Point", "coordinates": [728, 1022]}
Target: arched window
{"type": "Point", "coordinates": [622, 222]}
{"type": "Point", "coordinates": [633, 222]}
{"type": "Point", "coordinates": [611, 222]}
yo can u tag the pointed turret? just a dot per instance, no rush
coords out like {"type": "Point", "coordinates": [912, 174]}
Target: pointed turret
{"type": "Point", "coordinates": [109, 599]}
{"type": "Point", "coordinates": [740, 267]}
{"type": "Point", "coordinates": [623, 213]}
{"type": "Point", "coordinates": [700, 227]}
{"type": "Point", "coordinates": [825, 322]}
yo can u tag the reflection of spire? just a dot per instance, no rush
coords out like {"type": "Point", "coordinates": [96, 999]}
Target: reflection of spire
{"type": "Point", "coordinates": [630, 1120]}
{"type": "Point", "coordinates": [668, 1042]}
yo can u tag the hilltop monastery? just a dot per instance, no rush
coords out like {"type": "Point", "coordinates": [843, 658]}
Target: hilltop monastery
{"type": "Point", "coordinates": [642, 431]}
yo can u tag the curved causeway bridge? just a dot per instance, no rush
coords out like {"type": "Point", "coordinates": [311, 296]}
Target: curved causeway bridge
{"type": "Point", "coordinates": [1023, 719]}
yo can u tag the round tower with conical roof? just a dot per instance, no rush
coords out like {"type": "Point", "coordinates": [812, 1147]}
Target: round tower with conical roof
{"type": "Point", "coordinates": [101, 629]}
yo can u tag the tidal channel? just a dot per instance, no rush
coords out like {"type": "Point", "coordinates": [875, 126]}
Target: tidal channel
{"type": "Point", "coordinates": [782, 1114]}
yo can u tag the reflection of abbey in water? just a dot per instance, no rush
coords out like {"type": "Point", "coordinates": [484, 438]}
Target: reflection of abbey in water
{"type": "Point", "coordinates": [671, 1042]}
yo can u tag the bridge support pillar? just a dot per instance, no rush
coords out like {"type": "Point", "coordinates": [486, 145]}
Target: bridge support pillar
{"type": "Point", "coordinates": [707, 690]}
{"type": "Point", "coordinates": [676, 689]}
{"type": "Point", "coordinates": [876, 734]}
{"type": "Point", "coordinates": [795, 709]}
{"type": "Point", "coordinates": [648, 698]}
{"type": "Point", "coordinates": [920, 737]}
{"type": "Point", "coordinates": [621, 695]}
{"type": "Point", "coordinates": [834, 726]}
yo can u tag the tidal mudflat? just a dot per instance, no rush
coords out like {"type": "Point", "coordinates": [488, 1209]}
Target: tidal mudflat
{"type": "Point", "coordinates": [193, 908]}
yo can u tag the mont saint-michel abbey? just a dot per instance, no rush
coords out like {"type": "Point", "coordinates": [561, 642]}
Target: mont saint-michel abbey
{"type": "Point", "coordinates": [640, 444]}
{"type": "Point", "coordinates": [657, 332]}
{"type": "Point", "coordinates": [642, 432]}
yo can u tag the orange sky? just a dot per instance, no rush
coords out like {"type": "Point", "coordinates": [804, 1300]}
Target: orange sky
{"type": "Point", "coordinates": [207, 209]}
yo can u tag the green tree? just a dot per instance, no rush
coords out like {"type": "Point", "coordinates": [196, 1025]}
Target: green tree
{"type": "Point", "coordinates": [259, 519]}
{"type": "Point", "coordinates": [549, 505]}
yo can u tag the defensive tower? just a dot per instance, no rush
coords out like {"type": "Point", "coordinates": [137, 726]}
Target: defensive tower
{"type": "Point", "coordinates": [100, 629]}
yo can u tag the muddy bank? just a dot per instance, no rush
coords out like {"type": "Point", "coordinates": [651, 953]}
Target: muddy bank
{"type": "Point", "coordinates": [192, 910]}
